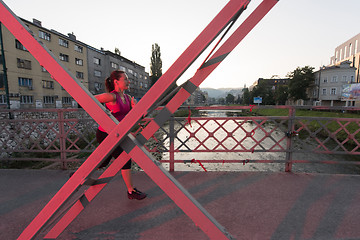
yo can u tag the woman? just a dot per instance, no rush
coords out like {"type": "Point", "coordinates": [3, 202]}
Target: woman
{"type": "Point", "coordinates": [119, 104]}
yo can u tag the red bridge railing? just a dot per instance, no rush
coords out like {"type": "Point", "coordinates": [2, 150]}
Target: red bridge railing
{"type": "Point", "coordinates": [234, 138]}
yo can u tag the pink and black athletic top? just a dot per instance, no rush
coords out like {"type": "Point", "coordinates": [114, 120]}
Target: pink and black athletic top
{"type": "Point", "coordinates": [120, 109]}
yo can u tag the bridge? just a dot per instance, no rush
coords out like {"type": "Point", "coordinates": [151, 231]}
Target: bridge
{"type": "Point", "coordinates": [250, 205]}
{"type": "Point", "coordinates": [58, 215]}
{"type": "Point", "coordinates": [298, 190]}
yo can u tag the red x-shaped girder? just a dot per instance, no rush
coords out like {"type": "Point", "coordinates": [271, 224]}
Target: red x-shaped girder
{"type": "Point", "coordinates": [118, 132]}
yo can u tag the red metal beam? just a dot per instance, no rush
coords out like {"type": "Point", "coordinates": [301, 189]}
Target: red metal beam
{"type": "Point", "coordinates": [171, 187]}
{"type": "Point", "coordinates": [181, 96]}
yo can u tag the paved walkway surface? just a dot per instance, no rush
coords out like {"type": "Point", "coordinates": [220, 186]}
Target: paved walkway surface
{"type": "Point", "coordinates": [250, 205]}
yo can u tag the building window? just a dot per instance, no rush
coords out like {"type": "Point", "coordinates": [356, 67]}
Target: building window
{"type": "Point", "coordinates": [49, 100]}
{"type": "Point", "coordinates": [66, 100]}
{"type": "Point", "coordinates": [351, 79]}
{"type": "Point", "coordinates": [333, 91]}
{"type": "Point", "coordinates": [345, 49]}
{"type": "Point", "coordinates": [2, 99]}
{"type": "Point", "coordinates": [325, 80]}
{"type": "Point", "coordinates": [79, 61]}
{"type": "Point", "coordinates": [334, 79]}
{"type": "Point", "coordinates": [63, 43]}
{"type": "Point", "coordinates": [324, 91]}
{"type": "Point", "coordinates": [336, 56]}
{"type": "Point", "coordinates": [78, 48]}
{"type": "Point", "coordinates": [2, 85]}
{"type": "Point", "coordinates": [25, 82]}
{"type": "Point", "coordinates": [26, 99]}
{"type": "Point", "coordinates": [45, 36]}
{"type": "Point", "coordinates": [97, 61]}
{"type": "Point", "coordinates": [80, 75]}
{"type": "Point", "coordinates": [341, 54]}
{"type": "Point", "coordinates": [344, 79]}
{"type": "Point", "coordinates": [64, 57]}
{"type": "Point", "coordinates": [22, 63]}
{"type": "Point", "coordinates": [98, 86]}
{"type": "Point", "coordinates": [130, 71]}
{"type": "Point", "coordinates": [350, 49]}
{"type": "Point", "coordinates": [114, 65]}
{"type": "Point", "coordinates": [122, 68]}
{"type": "Point", "coordinates": [48, 84]}
{"type": "Point", "coordinates": [97, 73]}
{"type": "Point", "coordinates": [43, 69]}
{"type": "Point", "coordinates": [18, 45]}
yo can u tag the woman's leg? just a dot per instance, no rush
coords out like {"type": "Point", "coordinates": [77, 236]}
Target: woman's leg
{"type": "Point", "coordinates": [126, 174]}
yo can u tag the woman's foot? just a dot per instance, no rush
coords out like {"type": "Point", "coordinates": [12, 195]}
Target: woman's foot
{"type": "Point", "coordinates": [136, 194]}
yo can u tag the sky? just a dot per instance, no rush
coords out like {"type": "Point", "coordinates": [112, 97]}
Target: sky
{"type": "Point", "coordinates": [295, 33]}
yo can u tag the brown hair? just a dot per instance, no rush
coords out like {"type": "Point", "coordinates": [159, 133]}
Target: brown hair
{"type": "Point", "coordinates": [109, 82]}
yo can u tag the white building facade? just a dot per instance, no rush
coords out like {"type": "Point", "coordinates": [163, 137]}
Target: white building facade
{"type": "Point", "coordinates": [331, 82]}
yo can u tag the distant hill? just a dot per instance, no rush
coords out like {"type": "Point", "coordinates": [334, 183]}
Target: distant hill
{"type": "Point", "coordinates": [222, 92]}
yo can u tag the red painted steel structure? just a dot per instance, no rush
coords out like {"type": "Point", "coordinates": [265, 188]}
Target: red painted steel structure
{"type": "Point", "coordinates": [118, 132]}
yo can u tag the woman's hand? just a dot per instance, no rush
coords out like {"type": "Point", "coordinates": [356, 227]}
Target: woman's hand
{"type": "Point", "coordinates": [133, 102]}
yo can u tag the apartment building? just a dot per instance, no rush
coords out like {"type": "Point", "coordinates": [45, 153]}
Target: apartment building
{"type": "Point", "coordinates": [197, 98]}
{"type": "Point", "coordinates": [348, 51]}
{"type": "Point", "coordinates": [139, 79]}
{"type": "Point", "coordinates": [31, 86]}
{"type": "Point", "coordinates": [331, 83]}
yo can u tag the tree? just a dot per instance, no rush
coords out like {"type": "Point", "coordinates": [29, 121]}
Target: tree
{"type": "Point", "coordinates": [246, 96]}
{"type": "Point", "coordinates": [230, 98]}
{"type": "Point", "coordinates": [281, 94]}
{"type": "Point", "coordinates": [117, 51]}
{"type": "Point", "coordinates": [262, 90]}
{"type": "Point", "coordinates": [156, 64]}
{"type": "Point", "coordinates": [300, 81]}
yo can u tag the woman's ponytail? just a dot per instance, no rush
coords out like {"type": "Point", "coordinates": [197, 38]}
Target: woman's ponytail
{"type": "Point", "coordinates": [109, 82]}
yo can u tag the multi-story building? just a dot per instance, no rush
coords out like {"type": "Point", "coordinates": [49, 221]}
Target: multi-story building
{"type": "Point", "coordinates": [348, 51]}
{"type": "Point", "coordinates": [139, 79]}
{"type": "Point", "coordinates": [96, 70]}
{"type": "Point", "coordinates": [330, 84]}
{"type": "Point", "coordinates": [31, 86]}
{"type": "Point", "coordinates": [198, 97]}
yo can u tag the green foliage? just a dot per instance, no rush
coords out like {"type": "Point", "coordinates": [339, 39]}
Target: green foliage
{"type": "Point", "coordinates": [262, 90]}
{"type": "Point", "coordinates": [156, 63]}
{"type": "Point", "coordinates": [281, 94]}
{"type": "Point", "coordinates": [300, 80]}
{"type": "Point", "coordinates": [230, 99]}
{"type": "Point", "coordinates": [246, 96]}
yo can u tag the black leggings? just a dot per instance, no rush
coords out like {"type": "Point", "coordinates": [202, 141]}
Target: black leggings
{"type": "Point", "coordinates": [100, 136]}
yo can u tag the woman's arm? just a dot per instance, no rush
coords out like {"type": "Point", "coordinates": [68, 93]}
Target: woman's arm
{"type": "Point", "coordinates": [106, 97]}
{"type": "Point", "coordinates": [133, 102]}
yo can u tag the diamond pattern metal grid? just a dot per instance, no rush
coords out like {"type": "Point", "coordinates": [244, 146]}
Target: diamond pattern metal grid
{"type": "Point", "coordinates": [331, 135]}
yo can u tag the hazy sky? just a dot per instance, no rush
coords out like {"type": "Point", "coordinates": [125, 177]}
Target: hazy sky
{"type": "Point", "coordinates": [294, 33]}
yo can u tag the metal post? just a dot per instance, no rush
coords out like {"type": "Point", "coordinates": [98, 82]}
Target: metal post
{"type": "Point", "coordinates": [288, 163]}
{"type": "Point", "coordinates": [172, 148]}
{"type": "Point", "coordinates": [62, 137]}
